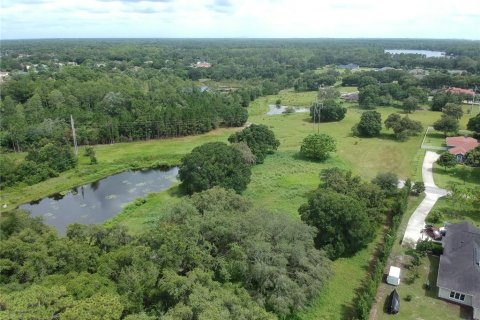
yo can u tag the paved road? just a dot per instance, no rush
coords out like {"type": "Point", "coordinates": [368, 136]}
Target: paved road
{"type": "Point", "coordinates": [432, 193]}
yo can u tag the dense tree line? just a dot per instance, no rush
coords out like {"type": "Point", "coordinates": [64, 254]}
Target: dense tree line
{"type": "Point", "coordinates": [109, 108]}
{"type": "Point", "coordinates": [210, 257]}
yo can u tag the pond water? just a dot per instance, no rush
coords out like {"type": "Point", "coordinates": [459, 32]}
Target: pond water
{"type": "Point", "coordinates": [427, 53]}
{"type": "Point", "coordinates": [100, 200]}
{"type": "Point", "coordinates": [274, 110]}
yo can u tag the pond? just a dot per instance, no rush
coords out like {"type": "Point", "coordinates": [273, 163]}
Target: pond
{"type": "Point", "coordinates": [100, 200]}
{"type": "Point", "coordinates": [426, 53]}
{"type": "Point", "coordinates": [274, 110]}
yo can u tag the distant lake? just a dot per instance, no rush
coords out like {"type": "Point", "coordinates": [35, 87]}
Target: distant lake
{"type": "Point", "coordinates": [100, 200]}
{"type": "Point", "coordinates": [427, 53]}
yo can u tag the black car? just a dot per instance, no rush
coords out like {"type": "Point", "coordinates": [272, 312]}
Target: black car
{"type": "Point", "coordinates": [394, 302]}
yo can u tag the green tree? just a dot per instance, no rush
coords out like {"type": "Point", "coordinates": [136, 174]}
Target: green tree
{"type": "Point", "coordinates": [403, 127]}
{"type": "Point", "coordinates": [453, 110]}
{"type": "Point", "coordinates": [410, 104]}
{"type": "Point", "coordinates": [387, 181]}
{"type": "Point", "coordinates": [57, 156]}
{"type": "Point", "coordinates": [447, 160]}
{"type": "Point", "coordinates": [259, 138]}
{"type": "Point", "coordinates": [370, 124]}
{"type": "Point", "coordinates": [472, 157]}
{"type": "Point", "coordinates": [342, 222]}
{"type": "Point", "coordinates": [446, 124]}
{"type": "Point", "coordinates": [330, 111]}
{"type": "Point", "coordinates": [474, 123]}
{"type": "Point", "coordinates": [214, 164]}
{"type": "Point", "coordinates": [318, 146]}
{"type": "Point", "coordinates": [368, 96]}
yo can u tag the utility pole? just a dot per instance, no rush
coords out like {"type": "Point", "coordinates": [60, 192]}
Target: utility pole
{"type": "Point", "coordinates": [74, 135]}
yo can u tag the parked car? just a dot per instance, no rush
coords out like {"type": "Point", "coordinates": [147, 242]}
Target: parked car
{"type": "Point", "coordinates": [433, 232]}
{"type": "Point", "coordinates": [394, 302]}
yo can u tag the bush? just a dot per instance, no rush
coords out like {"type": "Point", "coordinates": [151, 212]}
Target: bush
{"type": "Point", "coordinates": [436, 216]}
{"type": "Point", "coordinates": [427, 246]}
{"type": "Point", "coordinates": [418, 188]}
{"type": "Point", "coordinates": [317, 146]}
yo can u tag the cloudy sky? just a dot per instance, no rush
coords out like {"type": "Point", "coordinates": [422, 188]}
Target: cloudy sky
{"type": "Point", "coordinates": [22, 19]}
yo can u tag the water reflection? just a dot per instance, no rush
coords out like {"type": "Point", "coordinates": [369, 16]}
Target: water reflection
{"type": "Point", "coordinates": [100, 200]}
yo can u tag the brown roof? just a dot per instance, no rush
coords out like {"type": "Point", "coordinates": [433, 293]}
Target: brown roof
{"type": "Point", "coordinates": [461, 145]}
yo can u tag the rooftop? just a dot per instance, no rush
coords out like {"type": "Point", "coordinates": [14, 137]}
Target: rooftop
{"type": "Point", "coordinates": [458, 269]}
{"type": "Point", "coordinates": [461, 144]}
{"type": "Point", "coordinates": [455, 90]}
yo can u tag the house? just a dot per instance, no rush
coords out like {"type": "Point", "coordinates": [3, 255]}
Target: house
{"type": "Point", "coordinates": [459, 269]}
{"type": "Point", "coordinates": [459, 146]}
{"type": "Point", "coordinates": [350, 97]}
{"type": "Point", "coordinates": [455, 90]}
{"type": "Point", "coordinates": [202, 64]}
{"type": "Point", "coordinates": [350, 66]}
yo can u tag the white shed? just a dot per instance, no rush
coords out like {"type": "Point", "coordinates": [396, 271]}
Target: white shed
{"type": "Point", "coordinates": [394, 276]}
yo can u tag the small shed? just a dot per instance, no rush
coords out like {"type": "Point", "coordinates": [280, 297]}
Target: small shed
{"type": "Point", "coordinates": [393, 277]}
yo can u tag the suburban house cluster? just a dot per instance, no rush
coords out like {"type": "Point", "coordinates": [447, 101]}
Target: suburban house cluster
{"type": "Point", "coordinates": [459, 269]}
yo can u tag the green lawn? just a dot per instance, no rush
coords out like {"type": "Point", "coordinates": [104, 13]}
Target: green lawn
{"type": "Point", "coordinates": [434, 139]}
{"type": "Point", "coordinates": [459, 174]}
{"type": "Point", "coordinates": [455, 212]}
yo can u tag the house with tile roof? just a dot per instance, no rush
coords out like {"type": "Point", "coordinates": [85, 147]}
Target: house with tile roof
{"type": "Point", "coordinates": [459, 146]}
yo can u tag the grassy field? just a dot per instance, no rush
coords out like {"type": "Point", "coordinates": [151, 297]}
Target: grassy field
{"type": "Point", "coordinates": [424, 303]}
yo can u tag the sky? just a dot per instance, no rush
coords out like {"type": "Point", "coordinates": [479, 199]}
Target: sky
{"type": "Point", "coordinates": [32, 19]}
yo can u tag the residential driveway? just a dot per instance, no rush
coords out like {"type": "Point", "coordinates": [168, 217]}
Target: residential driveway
{"type": "Point", "coordinates": [432, 193]}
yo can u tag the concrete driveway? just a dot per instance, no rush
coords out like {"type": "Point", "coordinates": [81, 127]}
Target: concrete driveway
{"type": "Point", "coordinates": [432, 193]}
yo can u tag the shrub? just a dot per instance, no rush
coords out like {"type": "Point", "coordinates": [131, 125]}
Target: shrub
{"type": "Point", "coordinates": [317, 146]}
{"type": "Point", "coordinates": [418, 187]}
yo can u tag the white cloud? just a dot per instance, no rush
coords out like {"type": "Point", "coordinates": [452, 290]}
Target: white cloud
{"type": "Point", "coordinates": [240, 18]}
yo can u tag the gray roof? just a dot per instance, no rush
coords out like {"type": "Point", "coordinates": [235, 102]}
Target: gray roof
{"type": "Point", "coordinates": [459, 269]}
